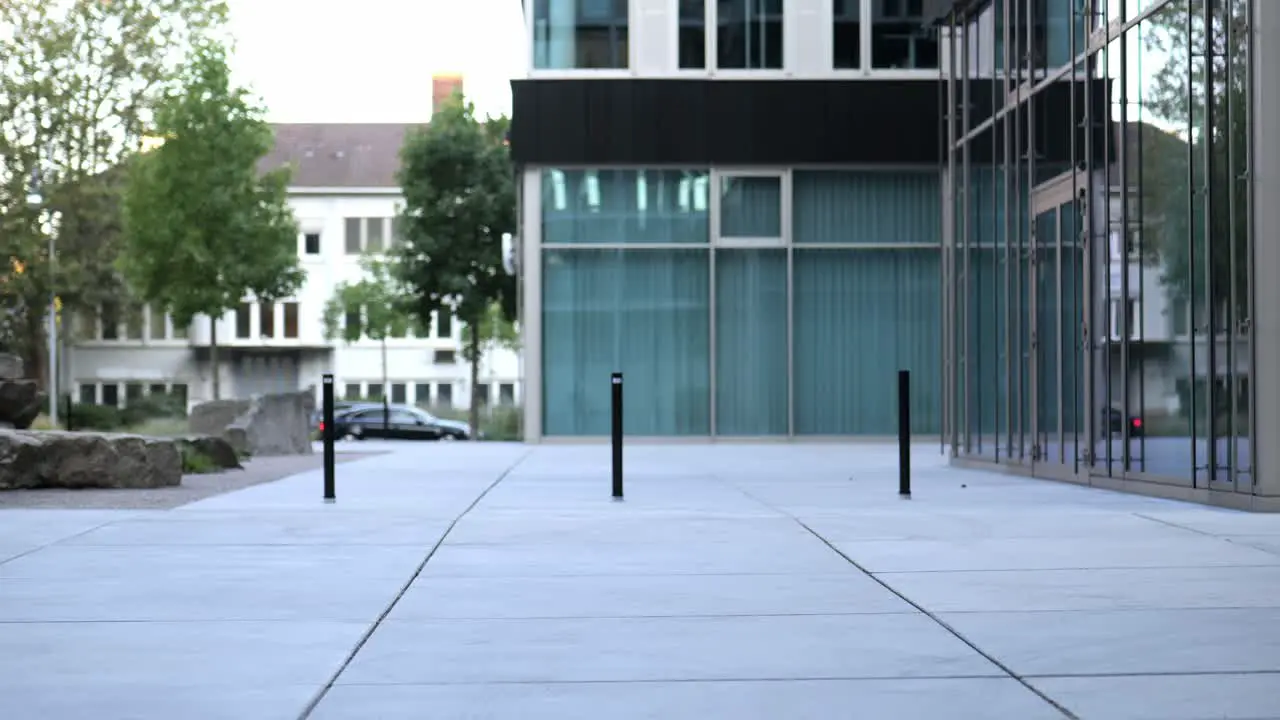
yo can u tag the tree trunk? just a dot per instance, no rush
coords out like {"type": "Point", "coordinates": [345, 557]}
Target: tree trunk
{"type": "Point", "coordinates": [213, 357]}
{"type": "Point", "coordinates": [386, 390]}
{"type": "Point", "coordinates": [474, 415]}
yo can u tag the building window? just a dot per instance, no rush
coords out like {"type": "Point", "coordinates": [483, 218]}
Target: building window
{"type": "Point", "coordinates": [135, 323]}
{"type": "Point", "coordinates": [749, 34]}
{"type": "Point", "coordinates": [846, 34]}
{"type": "Point", "coordinates": [311, 243]}
{"type": "Point", "coordinates": [352, 322]}
{"type": "Point", "coordinates": [351, 236]}
{"type": "Point", "coordinates": [291, 320]}
{"type": "Point", "coordinates": [397, 230]}
{"type": "Point", "coordinates": [482, 393]}
{"type": "Point", "coordinates": [243, 315]}
{"type": "Point", "coordinates": [179, 393]}
{"type": "Point", "coordinates": [110, 322]}
{"type": "Point", "coordinates": [351, 391]}
{"type": "Point", "coordinates": [444, 324]}
{"type": "Point", "coordinates": [88, 393]}
{"type": "Point", "coordinates": [445, 357]}
{"type": "Point", "coordinates": [751, 208]}
{"type": "Point", "coordinates": [266, 320]}
{"type": "Point", "coordinates": [374, 232]}
{"type": "Point", "coordinates": [422, 393]}
{"type": "Point", "coordinates": [156, 389]}
{"type": "Point", "coordinates": [444, 395]}
{"type": "Point", "coordinates": [398, 393]}
{"type": "Point", "coordinates": [584, 207]}
{"type": "Point", "coordinates": [580, 34]}
{"type": "Point", "coordinates": [506, 394]}
{"type": "Point", "coordinates": [156, 323]}
{"type": "Point", "coordinates": [375, 391]}
{"type": "Point", "coordinates": [900, 39]}
{"type": "Point", "coordinates": [693, 34]}
{"type": "Point", "coordinates": [111, 394]}
{"type": "Point", "coordinates": [132, 391]}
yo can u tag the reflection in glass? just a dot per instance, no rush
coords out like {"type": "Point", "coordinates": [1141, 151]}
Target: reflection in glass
{"type": "Point", "coordinates": [625, 206]}
{"type": "Point", "coordinates": [900, 37]}
{"type": "Point", "coordinates": [751, 352]}
{"type": "Point", "coordinates": [693, 34]}
{"type": "Point", "coordinates": [846, 34]}
{"type": "Point", "coordinates": [845, 299]}
{"type": "Point", "coordinates": [749, 34]}
{"type": "Point", "coordinates": [572, 34]}
{"type": "Point", "coordinates": [643, 312]}
{"type": "Point", "coordinates": [751, 207]}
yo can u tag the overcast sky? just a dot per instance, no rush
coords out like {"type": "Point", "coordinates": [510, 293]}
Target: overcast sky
{"type": "Point", "coordinates": [372, 60]}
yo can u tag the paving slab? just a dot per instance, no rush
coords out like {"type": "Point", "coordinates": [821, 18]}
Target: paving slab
{"type": "Point", "coordinates": [1128, 642]}
{"type": "Point", "coordinates": [672, 648]}
{"type": "Point", "coordinates": [1093, 589]}
{"type": "Point", "coordinates": [605, 596]}
{"type": "Point", "coordinates": [1167, 697]}
{"type": "Point", "coordinates": [971, 699]}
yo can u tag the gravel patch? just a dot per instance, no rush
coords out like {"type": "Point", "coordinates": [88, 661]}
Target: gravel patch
{"type": "Point", "coordinates": [194, 487]}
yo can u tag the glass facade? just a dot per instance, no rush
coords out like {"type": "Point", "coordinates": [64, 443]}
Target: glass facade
{"type": "Point", "coordinates": [739, 303]}
{"type": "Point", "coordinates": [1097, 240]}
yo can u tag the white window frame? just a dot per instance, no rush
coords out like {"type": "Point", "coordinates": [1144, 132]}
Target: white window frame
{"type": "Point", "coordinates": [536, 73]}
{"type": "Point", "coordinates": [784, 184]}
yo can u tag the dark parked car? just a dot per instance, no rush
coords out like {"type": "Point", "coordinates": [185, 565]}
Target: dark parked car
{"type": "Point", "coordinates": [1113, 423]}
{"type": "Point", "coordinates": [401, 422]}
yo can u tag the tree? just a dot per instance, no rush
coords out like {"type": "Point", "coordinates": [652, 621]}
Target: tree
{"type": "Point", "coordinates": [372, 308]}
{"type": "Point", "coordinates": [495, 331]}
{"type": "Point", "coordinates": [1203, 236]}
{"type": "Point", "coordinates": [78, 81]}
{"type": "Point", "coordinates": [203, 229]}
{"type": "Point", "coordinates": [459, 192]}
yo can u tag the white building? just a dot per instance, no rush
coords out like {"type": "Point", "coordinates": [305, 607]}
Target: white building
{"type": "Point", "coordinates": [345, 196]}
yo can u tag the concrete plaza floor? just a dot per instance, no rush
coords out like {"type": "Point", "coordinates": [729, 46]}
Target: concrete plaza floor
{"type": "Point", "coordinates": [736, 581]}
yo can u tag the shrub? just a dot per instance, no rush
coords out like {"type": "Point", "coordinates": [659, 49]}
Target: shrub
{"type": "Point", "coordinates": [103, 418]}
{"type": "Point", "coordinates": [153, 407]}
{"type": "Point", "coordinates": [195, 462]}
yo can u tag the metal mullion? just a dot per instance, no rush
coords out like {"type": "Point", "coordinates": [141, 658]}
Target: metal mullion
{"type": "Point", "coordinates": [966, 379]}
{"type": "Point", "coordinates": [1125, 330]}
{"type": "Point", "coordinates": [1009, 323]}
{"type": "Point", "coordinates": [1191, 241]}
{"type": "Point", "coordinates": [1232, 320]}
{"type": "Point", "coordinates": [712, 377]}
{"type": "Point", "coordinates": [1211, 349]}
{"type": "Point", "coordinates": [1251, 239]}
{"type": "Point", "coordinates": [791, 336]}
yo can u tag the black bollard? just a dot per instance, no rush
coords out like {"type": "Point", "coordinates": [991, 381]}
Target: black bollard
{"type": "Point", "coordinates": [616, 387]}
{"type": "Point", "coordinates": [327, 435]}
{"type": "Point", "coordinates": [386, 416]}
{"type": "Point", "coordinates": [66, 414]}
{"type": "Point", "coordinates": [904, 433]}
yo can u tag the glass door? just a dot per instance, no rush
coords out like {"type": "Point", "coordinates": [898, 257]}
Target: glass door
{"type": "Point", "coordinates": [1056, 273]}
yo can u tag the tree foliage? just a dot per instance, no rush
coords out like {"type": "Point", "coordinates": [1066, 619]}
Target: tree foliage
{"type": "Point", "coordinates": [78, 82]}
{"type": "Point", "coordinates": [370, 308]}
{"type": "Point", "coordinates": [495, 331]}
{"type": "Point", "coordinates": [203, 228]}
{"type": "Point", "coordinates": [1198, 187]}
{"type": "Point", "coordinates": [459, 193]}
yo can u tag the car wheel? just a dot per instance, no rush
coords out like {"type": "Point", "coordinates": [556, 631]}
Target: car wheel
{"type": "Point", "coordinates": [448, 437]}
{"type": "Point", "coordinates": [355, 433]}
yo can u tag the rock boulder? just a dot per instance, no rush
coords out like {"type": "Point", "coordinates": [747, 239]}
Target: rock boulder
{"type": "Point", "coordinates": [20, 400]}
{"type": "Point", "coordinates": [217, 449]}
{"type": "Point", "coordinates": [275, 424]}
{"type": "Point", "coordinates": [30, 459]}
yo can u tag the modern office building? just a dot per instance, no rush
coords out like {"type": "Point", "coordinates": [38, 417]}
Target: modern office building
{"type": "Point", "coordinates": [738, 205]}
{"type": "Point", "coordinates": [760, 210]}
